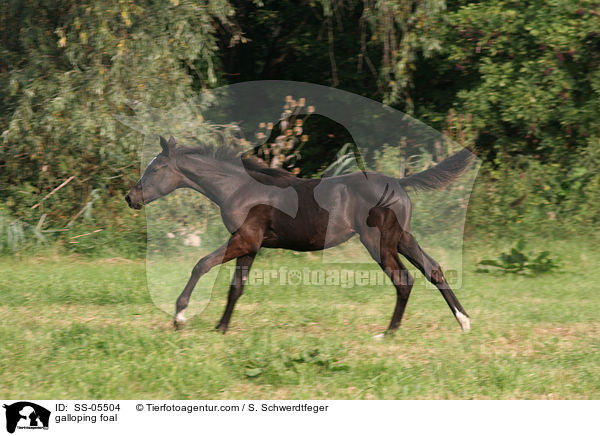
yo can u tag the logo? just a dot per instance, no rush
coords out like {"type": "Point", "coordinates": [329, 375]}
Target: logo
{"type": "Point", "coordinates": [26, 415]}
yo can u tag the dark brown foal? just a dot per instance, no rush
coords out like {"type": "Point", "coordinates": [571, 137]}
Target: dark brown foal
{"type": "Point", "coordinates": [266, 207]}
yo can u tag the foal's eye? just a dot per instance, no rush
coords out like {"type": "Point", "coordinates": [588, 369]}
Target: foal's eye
{"type": "Point", "coordinates": [155, 169]}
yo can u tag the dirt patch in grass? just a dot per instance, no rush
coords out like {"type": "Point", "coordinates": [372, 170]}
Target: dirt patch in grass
{"type": "Point", "coordinates": [568, 331]}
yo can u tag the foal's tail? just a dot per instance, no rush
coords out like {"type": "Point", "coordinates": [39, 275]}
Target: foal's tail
{"type": "Point", "coordinates": [442, 174]}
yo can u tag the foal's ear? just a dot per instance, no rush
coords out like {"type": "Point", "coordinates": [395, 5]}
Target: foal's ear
{"type": "Point", "coordinates": [167, 146]}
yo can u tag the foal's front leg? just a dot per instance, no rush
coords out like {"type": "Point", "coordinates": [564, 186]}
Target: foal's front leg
{"type": "Point", "coordinates": [238, 245]}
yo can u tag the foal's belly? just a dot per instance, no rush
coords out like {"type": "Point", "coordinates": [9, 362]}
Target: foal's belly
{"type": "Point", "coordinates": [305, 232]}
{"type": "Point", "coordinates": [294, 222]}
{"type": "Point", "coordinates": [298, 244]}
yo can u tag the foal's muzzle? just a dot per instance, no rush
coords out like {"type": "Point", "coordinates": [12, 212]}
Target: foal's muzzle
{"type": "Point", "coordinates": [132, 204]}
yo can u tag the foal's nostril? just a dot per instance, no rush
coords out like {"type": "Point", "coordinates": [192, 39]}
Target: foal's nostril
{"type": "Point", "coordinates": [128, 200]}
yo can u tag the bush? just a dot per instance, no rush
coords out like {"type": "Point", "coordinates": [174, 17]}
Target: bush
{"type": "Point", "coordinates": [520, 195]}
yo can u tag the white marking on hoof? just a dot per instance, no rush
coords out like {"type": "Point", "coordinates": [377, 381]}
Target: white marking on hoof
{"type": "Point", "coordinates": [180, 318]}
{"type": "Point", "coordinates": [379, 337]}
{"type": "Point", "coordinates": [464, 321]}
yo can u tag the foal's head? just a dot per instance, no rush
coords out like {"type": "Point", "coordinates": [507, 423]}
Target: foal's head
{"type": "Point", "coordinates": [160, 178]}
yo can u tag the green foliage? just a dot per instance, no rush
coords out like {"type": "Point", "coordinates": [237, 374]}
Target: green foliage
{"type": "Point", "coordinates": [522, 195]}
{"type": "Point", "coordinates": [527, 74]}
{"type": "Point", "coordinates": [516, 261]}
{"type": "Point", "coordinates": [66, 69]}
{"type": "Point", "coordinates": [520, 80]}
{"type": "Point", "coordinates": [537, 85]}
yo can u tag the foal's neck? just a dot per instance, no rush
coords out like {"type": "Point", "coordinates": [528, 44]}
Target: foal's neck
{"type": "Point", "coordinates": [214, 178]}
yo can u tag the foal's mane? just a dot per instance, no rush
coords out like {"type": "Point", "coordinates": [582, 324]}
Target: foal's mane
{"type": "Point", "coordinates": [231, 154]}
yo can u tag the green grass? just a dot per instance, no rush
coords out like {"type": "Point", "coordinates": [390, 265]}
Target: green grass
{"type": "Point", "coordinates": [72, 327]}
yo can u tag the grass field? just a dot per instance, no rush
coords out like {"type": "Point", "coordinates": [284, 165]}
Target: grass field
{"type": "Point", "coordinates": [78, 328]}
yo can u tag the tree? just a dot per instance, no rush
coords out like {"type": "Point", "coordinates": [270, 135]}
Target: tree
{"type": "Point", "coordinates": [532, 76]}
{"type": "Point", "coordinates": [67, 67]}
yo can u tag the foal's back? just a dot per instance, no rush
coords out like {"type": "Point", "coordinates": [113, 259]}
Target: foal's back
{"type": "Point", "coordinates": [331, 210]}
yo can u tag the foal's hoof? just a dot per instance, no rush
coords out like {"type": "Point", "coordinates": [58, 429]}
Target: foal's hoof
{"type": "Point", "coordinates": [179, 321]}
{"type": "Point", "coordinates": [464, 321]}
{"type": "Point", "coordinates": [222, 328]}
{"type": "Point", "coordinates": [386, 334]}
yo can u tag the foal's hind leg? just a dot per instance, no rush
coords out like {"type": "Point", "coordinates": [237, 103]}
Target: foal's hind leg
{"type": "Point", "coordinates": [409, 247]}
{"type": "Point", "coordinates": [383, 250]}
{"type": "Point", "coordinates": [403, 281]}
